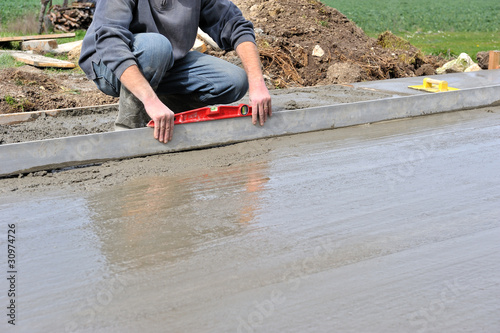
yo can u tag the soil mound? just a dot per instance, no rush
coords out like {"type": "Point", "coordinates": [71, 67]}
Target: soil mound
{"type": "Point", "coordinates": [305, 43]}
{"type": "Point", "coordinates": [30, 89]}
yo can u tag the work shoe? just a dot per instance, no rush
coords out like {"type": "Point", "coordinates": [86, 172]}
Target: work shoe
{"type": "Point", "coordinates": [131, 112]}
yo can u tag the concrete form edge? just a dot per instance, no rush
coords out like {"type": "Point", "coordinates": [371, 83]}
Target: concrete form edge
{"type": "Point", "coordinates": [85, 149]}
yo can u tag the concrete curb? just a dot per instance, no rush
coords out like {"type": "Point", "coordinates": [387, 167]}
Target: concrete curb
{"type": "Point", "coordinates": [85, 149]}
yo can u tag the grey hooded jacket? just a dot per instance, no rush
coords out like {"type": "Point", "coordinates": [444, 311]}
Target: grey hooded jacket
{"type": "Point", "coordinates": [109, 37]}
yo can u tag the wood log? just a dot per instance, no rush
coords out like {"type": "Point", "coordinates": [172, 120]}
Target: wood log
{"type": "Point", "coordinates": [70, 19]}
{"type": "Point", "coordinates": [74, 20]}
{"type": "Point", "coordinates": [60, 27]}
{"type": "Point", "coordinates": [44, 4]}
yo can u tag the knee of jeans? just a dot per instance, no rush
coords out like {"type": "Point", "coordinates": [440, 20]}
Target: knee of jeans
{"type": "Point", "coordinates": [154, 52]}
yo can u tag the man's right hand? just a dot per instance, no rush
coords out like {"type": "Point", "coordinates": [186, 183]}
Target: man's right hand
{"type": "Point", "coordinates": [162, 116]}
{"type": "Point", "coordinates": [163, 119]}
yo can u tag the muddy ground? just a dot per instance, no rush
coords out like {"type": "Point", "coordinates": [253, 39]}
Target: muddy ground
{"type": "Point", "coordinates": [288, 31]}
{"type": "Point", "coordinates": [29, 88]}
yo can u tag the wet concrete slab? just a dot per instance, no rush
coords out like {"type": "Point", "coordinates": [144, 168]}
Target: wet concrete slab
{"type": "Point", "coordinates": [388, 227]}
{"type": "Point", "coordinates": [43, 155]}
{"type": "Point", "coordinates": [469, 80]}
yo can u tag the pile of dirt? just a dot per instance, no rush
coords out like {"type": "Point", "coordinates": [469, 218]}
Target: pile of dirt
{"type": "Point", "coordinates": [305, 43]}
{"type": "Point", "coordinates": [27, 88]}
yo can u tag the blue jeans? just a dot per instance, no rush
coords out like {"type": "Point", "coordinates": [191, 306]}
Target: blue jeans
{"type": "Point", "coordinates": [194, 81]}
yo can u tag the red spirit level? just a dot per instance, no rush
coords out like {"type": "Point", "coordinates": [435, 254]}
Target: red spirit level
{"type": "Point", "coordinates": [210, 113]}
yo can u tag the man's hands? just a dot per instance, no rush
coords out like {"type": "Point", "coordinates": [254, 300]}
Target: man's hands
{"type": "Point", "coordinates": [163, 119]}
{"type": "Point", "coordinates": [259, 94]}
{"type": "Point", "coordinates": [162, 116]}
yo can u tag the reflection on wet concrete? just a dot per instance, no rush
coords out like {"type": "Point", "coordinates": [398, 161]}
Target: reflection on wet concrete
{"type": "Point", "coordinates": [163, 218]}
{"type": "Point", "coordinates": [381, 228]}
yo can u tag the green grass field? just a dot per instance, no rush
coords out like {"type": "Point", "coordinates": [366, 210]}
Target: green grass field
{"type": "Point", "coordinates": [446, 27]}
{"type": "Point", "coordinates": [424, 15]}
{"type": "Point", "coordinates": [10, 10]}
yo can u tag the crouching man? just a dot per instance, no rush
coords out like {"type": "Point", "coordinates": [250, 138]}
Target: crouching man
{"type": "Point", "coordinates": [139, 50]}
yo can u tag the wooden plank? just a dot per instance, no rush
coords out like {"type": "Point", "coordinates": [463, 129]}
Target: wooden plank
{"type": "Point", "coordinates": [494, 61]}
{"type": "Point", "coordinates": [66, 47]}
{"type": "Point", "coordinates": [199, 46]}
{"type": "Point", "coordinates": [41, 61]}
{"type": "Point", "coordinates": [207, 39]}
{"type": "Point", "coordinates": [24, 38]}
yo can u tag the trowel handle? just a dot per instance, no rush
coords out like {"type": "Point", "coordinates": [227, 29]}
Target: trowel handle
{"type": "Point", "coordinates": [442, 85]}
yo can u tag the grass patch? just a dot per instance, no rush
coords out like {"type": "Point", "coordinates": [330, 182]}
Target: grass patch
{"type": "Point", "coordinates": [23, 25]}
{"type": "Point", "coordinates": [451, 44]}
{"type": "Point", "coordinates": [10, 45]}
{"type": "Point", "coordinates": [454, 43]}
{"type": "Point", "coordinates": [8, 61]}
{"type": "Point", "coordinates": [18, 104]}
{"type": "Point", "coordinates": [79, 36]}
{"type": "Point", "coordinates": [11, 10]}
{"type": "Point", "coordinates": [63, 56]}
{"type": "Point", "coordinates": [424, 15]}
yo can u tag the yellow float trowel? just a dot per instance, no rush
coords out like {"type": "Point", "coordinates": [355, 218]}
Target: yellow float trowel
{"type": "Point", "coordinates": [431, 85]}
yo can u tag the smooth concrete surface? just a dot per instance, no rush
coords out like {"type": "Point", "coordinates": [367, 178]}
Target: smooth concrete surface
{"type": "Point", "coordinates": [389, 227]}
{"type": "Point", "coordinates": [484, 78]}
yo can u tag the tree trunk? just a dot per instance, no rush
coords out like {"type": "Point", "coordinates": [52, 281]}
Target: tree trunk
{"type": "Point", "coordinates": [42, 14]}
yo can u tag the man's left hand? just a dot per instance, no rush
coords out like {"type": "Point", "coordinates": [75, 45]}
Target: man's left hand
{"type": "Point", "coordinates": [259, 94]}
{"type": "Point", "coordinates": [260, 100]}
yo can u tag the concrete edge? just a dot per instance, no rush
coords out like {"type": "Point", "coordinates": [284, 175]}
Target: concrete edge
{"type": "Point", "coordinates": [85, 149]}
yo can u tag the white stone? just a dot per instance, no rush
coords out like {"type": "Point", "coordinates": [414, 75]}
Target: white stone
{"type": "Point", "coordinates": [318, 51]}
{"type": "Point", "coordinates": [473, 68]}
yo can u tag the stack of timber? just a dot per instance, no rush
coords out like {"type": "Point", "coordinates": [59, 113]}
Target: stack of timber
{"type": "Point", "coordinates": [77, 16]}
